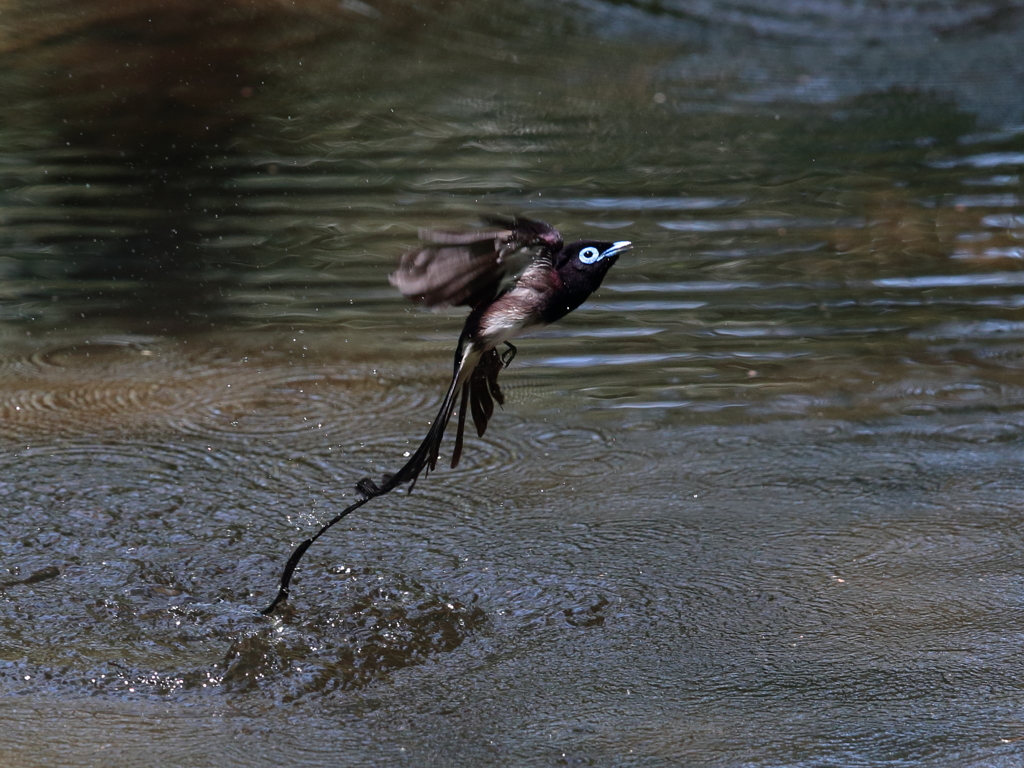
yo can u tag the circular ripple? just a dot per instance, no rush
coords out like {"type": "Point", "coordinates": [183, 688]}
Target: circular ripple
{"type": "Point", "coordinates": [264, 406]}
{"type": "Point", "coordinates": [94, 386]}
{"type": "Point", "coordinates": [282, 402]}
{"type": "Point", "coordinates": [135, 463]}
{"type": "Point", "coordinates": [584, 453]}
{"type": "Point", "coordinates": [97, 352]}
{"type": "Point", "coordinates": [86, 408]}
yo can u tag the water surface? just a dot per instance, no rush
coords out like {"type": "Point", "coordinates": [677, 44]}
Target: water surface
{"type": "Point", "coordinates": [756, 503]}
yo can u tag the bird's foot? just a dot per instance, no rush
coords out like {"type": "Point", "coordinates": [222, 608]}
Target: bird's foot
{"type": "Point", "coordinates": [508, 355]}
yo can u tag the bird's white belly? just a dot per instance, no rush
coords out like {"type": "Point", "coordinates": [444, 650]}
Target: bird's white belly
{"type": "Point", "coordinates": [513, 313]}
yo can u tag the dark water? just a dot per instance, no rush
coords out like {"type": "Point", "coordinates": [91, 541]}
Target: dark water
{"type": "Point", "coordinates": [758, 503]}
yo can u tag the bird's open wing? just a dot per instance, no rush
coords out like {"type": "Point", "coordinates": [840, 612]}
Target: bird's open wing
{"type": "Point", "coordinates": [468, 268]}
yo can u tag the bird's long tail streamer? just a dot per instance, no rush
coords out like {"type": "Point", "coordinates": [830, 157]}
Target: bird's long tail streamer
{"type": "Point", "coordinates": [293, 561]}
{"type": "Point", "coordinates": [424, 458]}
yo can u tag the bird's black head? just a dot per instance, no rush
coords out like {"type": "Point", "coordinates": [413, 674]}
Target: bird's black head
{"type": "Point", "coordinates": [581, 267]}
{"type": "Point", "coordinates": [591, 256]}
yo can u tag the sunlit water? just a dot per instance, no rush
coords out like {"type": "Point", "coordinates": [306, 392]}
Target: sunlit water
{"type": "Point", "coordinates": [756, 503]}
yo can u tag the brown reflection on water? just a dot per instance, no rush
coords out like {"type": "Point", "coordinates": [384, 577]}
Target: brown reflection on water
{"type": "Point", "coordinates": [105, 384]}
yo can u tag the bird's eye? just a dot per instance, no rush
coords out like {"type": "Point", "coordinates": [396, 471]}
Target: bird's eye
{"type": "Point", "coordinates": [589, 255]}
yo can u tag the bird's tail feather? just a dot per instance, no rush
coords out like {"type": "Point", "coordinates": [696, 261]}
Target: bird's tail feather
{"type": "Point", "coordinates": [425, 457]}
{"type": "Point", "coordinates": [478, 396]}
{"type": "Point", "coordinates": [484, 389]}
{"type": "Point", "coordinates": [457, 451]}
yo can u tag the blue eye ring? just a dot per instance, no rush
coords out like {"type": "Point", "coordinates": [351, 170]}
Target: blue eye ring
{"type": "Point", "coordinates": [590, 254]}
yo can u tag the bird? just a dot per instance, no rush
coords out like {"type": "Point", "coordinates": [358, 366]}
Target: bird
{"type": "Point", "coordinates": [515, 275]}
{"type": "Point", "coordinates": [509, 291]}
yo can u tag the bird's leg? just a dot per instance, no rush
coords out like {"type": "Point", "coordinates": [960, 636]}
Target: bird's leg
{"type": "Point", "coordinates": [508, 355]}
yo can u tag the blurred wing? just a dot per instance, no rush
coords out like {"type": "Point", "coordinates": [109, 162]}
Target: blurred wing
{"type": "Point", "coordinates": [529, 232]}
{"type": "Point", "coordinates": [440, 276]}
{"type": "Point", "coordinates": [461, 238]}
{"type": "Point", "coordinates": [468, 268]}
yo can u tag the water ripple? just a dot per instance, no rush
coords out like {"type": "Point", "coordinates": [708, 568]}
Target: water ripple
{"type": "Point", "coordinates": [641, 203]}
{"type": "Point", "coordinates": [983, 160]}
{"type": "Point", "coordinates": [1005, 279]}
{"type": "Point", "coordinates": [741, 225]}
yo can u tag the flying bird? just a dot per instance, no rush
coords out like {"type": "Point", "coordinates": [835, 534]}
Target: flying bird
{"type": "Point", "coordinates": [515, 275]}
